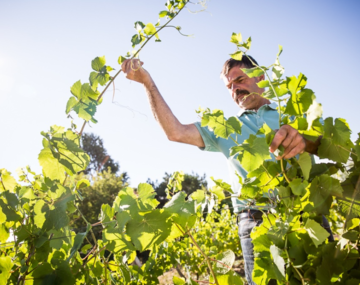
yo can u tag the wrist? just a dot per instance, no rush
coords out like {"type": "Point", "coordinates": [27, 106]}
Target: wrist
{"type": "Point", "coordinates": [312, 146]}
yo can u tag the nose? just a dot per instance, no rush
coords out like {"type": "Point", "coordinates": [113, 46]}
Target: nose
{"type": "Point", "coordinates": [233, 90]}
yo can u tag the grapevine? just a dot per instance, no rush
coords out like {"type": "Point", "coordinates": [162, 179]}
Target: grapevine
{"type": "Point", "coordinates": [38, 245]}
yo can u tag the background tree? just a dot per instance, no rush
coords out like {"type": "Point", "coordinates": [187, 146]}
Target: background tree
{"type": "Point", "coordinates": [191, 183]}
{"type": "Point", "coordinates": [93, 145]}
{"type": "Point", "coordinates": [106, 185]}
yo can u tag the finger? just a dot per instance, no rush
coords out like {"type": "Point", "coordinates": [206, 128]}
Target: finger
{"type": "Point", "coordinates": [296, 148]}
{"type": "Point", "coordinates": [278, 139]}
{"type": "Point", "coordinates": [289, 139]}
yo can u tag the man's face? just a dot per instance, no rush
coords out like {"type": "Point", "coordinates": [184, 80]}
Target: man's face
{"type": "Point", "coordinates": [243, 90]}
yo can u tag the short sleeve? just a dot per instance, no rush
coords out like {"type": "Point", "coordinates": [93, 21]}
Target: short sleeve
{"type": "Point", "coordinates": [210, 141]}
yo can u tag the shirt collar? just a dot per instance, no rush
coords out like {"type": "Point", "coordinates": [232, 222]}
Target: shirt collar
{"type": "Point", "coordinates": [272, 105]}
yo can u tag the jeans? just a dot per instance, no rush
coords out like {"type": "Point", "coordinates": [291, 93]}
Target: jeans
{"type": "Point", "coordinates": [245, 227]}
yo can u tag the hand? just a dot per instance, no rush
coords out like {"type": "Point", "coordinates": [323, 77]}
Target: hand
{"type": "Point", "coordinates": [291, 140]}
{"type": "Point", "coordinates": [133, 70]}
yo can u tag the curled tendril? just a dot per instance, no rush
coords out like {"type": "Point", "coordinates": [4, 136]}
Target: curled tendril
{"type": "Point", "coordinates": [178, 28]}
{"type": "Point", "coordinates": [202, 3]}
{"type": "Point", "coordinates": [131, 65]}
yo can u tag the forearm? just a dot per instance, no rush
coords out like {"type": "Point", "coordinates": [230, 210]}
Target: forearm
{"type": "Point", "coordinates": [161, 111]}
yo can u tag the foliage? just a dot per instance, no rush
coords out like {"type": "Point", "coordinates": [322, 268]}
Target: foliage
{"type": "Point", "coordinates": [217, 237]}
{"type": "Point", "coordinates": [291, 246]}
{"type": "Point", "coordinates": [36, 208]}
{"type": "Point", "coordinates": [93, 145]}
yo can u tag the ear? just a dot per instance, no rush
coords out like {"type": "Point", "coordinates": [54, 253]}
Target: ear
{"type": "Point", "coordinates": [260, 78]}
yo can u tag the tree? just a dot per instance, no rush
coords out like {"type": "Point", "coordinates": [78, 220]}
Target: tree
{"type": "Point", "coordinates": [93, 145]}
{"type": "Point", "coordinates": [191, 183]}
{"type": "Point", "coordinates": [106, 185]}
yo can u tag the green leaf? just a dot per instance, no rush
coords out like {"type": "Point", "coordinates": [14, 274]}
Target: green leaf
{"type": "Point", "coordinates": [147, 195]}
{"type": "Point", "coordinates": [250, 189]}
{"type": "Point", "coordinates": [316, 232]}
{"type": "Point", "coordinates": [305, 164]}
{"type": "Point", "coordinates": [40, 214]}
{"type": "Point", "coordinates": [121, 59]}
{"type": "Point", "coordinates": [321, 191]}
{"type": "Point", "coordinates": [139, 26]}
{"type": "Point", "coordinates": [267, 175]}
{"type": "Point", "coordinates": [298, 186]}
{"type": "Point", "coordinates": [263, 84]}
{"type": "Point", "coordinates": [7, 180]}
{"type": "Point", "coordinates": [106, 214]}
{"type": "Point", "coordinates": [284, 193]}
{"type": "Point", "coordinates": [122, 219]}
{"type": "Point", "coordinates": [137, 39]}
{"type": "Point", "coordinates": [218, 192]}
{"type": "Point", "coordinates": [236, 38]}
{"type": "Point", "coordinates": [299, 102]}
{"type": "Point", "coordinates": [277, 72]}
{"type": "Point", "coordinates": [163, 14]}
{"type": "Point", "coordinates": [221, 127]}
{"type": "Point", "coordinates": [223, 185]}
{"type": "Point", "coordinates": [9, 212]}
{"type": "Point", "coordinates": [149, 29]}
{"type": "Point", "coordinates": [70, 104]}
{"type": "Point", "coordinates": [52, 168]}
{"type": "Point", "coordinates": [4, 233]}
{"type": "Point", "coordinates": [277, 233]}
{"type": "Point", "coordinates": [278, 259]}
{"type": "Point", "coordinates": [98, 63]}
{"type": "Point", "coordinates": [62, 153]}
{"type": "Point", "coordinates": [5, 268]}
{"type": "Point", "coordinates": [78, 241]}
{"type": "Point", "coordinates": [178, 280]}
{"type": "Point", "coordinates": [152, 229]}
{"type": "Point", "coordinates": [183, 211]}
{"type": "Point", "coordinates": [198, 196]}
{"type": "Point", "coordinates": [224, 263]}
{"type": "Point", "coordinates": [237, 55]}
{"type": "Point", "coordinates": [351, 235]}
{"type": "Point", "coordinates": [231, 278]}
{"type": "Point", "coordinates": [252, 152]}
{"type": "Point", "coordinates": [82, 183]}
{"type": "Point", "coordinates": [353, 223]}
{"type": "Point", "coordinates": [253, 72]}
{"type": "Point", "coordinates": [235, 124]}
{"type": "Point", "coordinates": [335, 144]}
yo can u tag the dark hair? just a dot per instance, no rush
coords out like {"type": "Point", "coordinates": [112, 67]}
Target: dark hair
{"type": "Point", "coordinates": [244, 62]}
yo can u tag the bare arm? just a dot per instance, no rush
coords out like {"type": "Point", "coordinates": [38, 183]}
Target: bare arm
{"type": "Point", "coordinates": [174, 130]}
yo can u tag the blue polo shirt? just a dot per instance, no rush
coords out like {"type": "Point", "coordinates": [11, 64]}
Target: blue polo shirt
{"type": "Point", "coordinates": [252, 121]}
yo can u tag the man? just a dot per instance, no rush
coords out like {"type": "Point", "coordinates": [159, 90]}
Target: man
{"type": "Point", "coordinates": [254, 111]}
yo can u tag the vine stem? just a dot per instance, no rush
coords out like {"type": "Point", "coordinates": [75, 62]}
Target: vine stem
{"type": "Point", "coordinates": [202, 253]}
{"type": "Point", "coordinates": [283, 170]}
{"type": "Point", "coordinates": [87, 223]}
{"type": "Point", "coordinates": [356, 191]}
{"type": "Point", "coordinates": [297, 271]}
{"type": "Point", "coordinates": [279, 109]}
{"type": "Point", "coordinates": [135, 54]}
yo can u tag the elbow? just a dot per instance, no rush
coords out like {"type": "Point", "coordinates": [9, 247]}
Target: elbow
{"type": "Point", "coordinates": [172, 137]}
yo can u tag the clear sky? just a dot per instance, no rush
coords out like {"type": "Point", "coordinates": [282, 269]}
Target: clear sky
{"type": "Point", "coordinates": [46, 46]}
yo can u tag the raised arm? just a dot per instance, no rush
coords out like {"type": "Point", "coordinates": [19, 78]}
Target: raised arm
{"type": "Point", "coordinates": [174, 130]}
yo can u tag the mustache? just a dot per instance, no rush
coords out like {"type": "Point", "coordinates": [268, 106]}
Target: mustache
{"type": "Point", "coordinates": [242, 92]}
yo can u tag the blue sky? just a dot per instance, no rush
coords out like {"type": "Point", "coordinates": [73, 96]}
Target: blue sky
{"type": "Point", "coordinates": [46, 46]}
